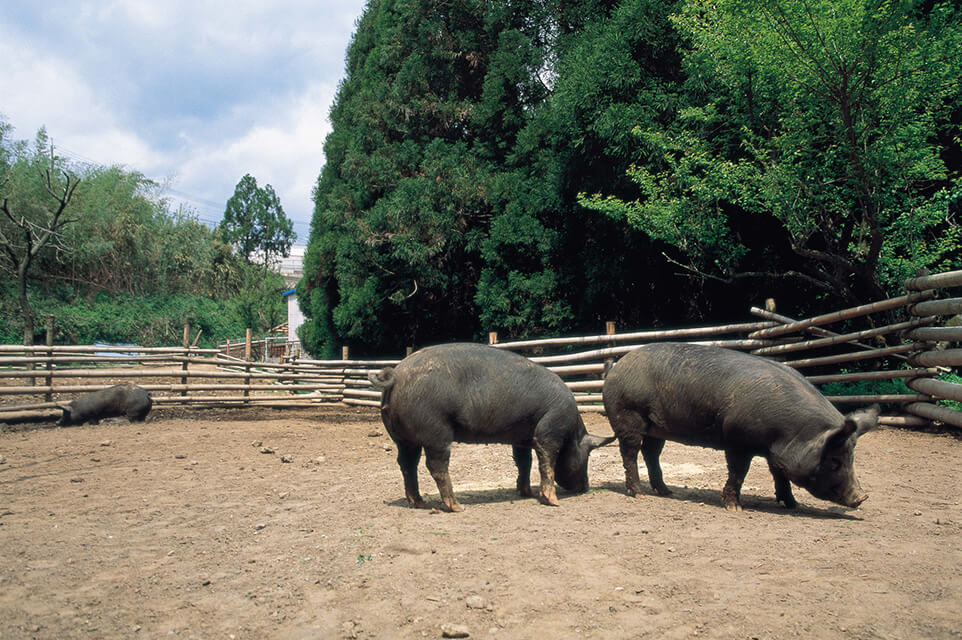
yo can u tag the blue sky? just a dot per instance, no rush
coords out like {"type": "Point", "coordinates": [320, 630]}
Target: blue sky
{"type": "Point", "coordinates": [192, 94]}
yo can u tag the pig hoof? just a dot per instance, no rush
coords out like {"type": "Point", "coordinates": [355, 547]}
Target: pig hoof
{"type": "Point", "coordinates": [662, 490]}
{"type": "Point", "coordinates": [550, 500]}
{"type": "Point", "coordinates": [733, 507]}
{"type": "Point", "coordinates": [455, 508]}
{"type": "Point", "coordinates": [525, 492]}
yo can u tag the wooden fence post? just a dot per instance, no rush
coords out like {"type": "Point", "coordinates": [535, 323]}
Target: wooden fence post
{"type": "Point", "coordinates": [183, 379]}
{"type": "Point", "coordinates": [48, 397]}
{"type": "Point", "coordinates": [492, 337]}
{"type": "Point", "coordinates": [345, 353]}
{"type": "Point", "coordinates": [609, 362]}
{"type": "Point", "coordinates": [247, 364]}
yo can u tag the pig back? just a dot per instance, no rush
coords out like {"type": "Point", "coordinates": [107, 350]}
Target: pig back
{"type": "Point", "coordinates": [121, 399]}
{"type": "Point", "coordinates": [475, 393]}
{"type": "Point", "coordinates": [712, 396]}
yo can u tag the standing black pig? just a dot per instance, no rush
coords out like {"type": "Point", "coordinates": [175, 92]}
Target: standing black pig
{"type": "Point", "coordinates": [119, 400]}
{"type": "Point", "coordinates": [474, 393]}
{"type": "Point", "coordinates": [746, 405]}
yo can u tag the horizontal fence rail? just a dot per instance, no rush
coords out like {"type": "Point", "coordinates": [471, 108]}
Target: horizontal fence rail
{"type": "Point", "coordinates": [911, 340]}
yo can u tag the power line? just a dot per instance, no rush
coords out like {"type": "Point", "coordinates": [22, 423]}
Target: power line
{"type": "Point", "coordinates": [198, 202]}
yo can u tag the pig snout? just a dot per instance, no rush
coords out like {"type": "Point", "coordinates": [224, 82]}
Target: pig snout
{"type": "Point", "coordinates": [856, 500]}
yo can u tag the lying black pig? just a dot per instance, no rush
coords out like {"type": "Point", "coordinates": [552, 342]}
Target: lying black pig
{"type": "Point", "coordinates": [119, 400]}
{"type": "Point", "coordinates": [474, 393]}
{"type": "Point", "coordinates": [746, 405]}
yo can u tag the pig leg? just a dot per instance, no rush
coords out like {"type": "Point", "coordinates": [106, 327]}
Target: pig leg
{"type": "Point", "coordinates": [651, 450]}
{"type": "Point", "coordinates": [408, 457]}
{"type": "Point", "coordinates": [522, 458]}
{"type": "Point", "coordinates": [437, 461]}
{"type": "Point", "coordinates": [783, 488]}
{"type": "Point", "coordinates": [738, 463]}
{"type": "Point", "coordinates": [629, 458]}
{"type": "Point", "coordinates": [546, 459]}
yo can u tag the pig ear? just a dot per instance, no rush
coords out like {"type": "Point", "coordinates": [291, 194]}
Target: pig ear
{"type": "Point", "coordinates": [862, 421]}
{"type": "Point", "coordinates": [593, 442]}
{"type": "Point", "coordinates": [65, 406]}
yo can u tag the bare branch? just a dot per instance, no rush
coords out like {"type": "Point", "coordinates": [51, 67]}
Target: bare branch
{"type": "Point", "coordinates": [745, 275]}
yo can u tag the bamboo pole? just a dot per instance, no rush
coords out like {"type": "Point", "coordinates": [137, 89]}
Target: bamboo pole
{"type": "Point", "coordinates": [936, 334]}
{"type": "Point", "coordinates": [123, 360]}
{"type": "Point", "coordinates": [12, 348]}
{"type": "Point", "coordinates": [578, 369]}
{"type": "Point", "coordinates": [947, 307]}
{"type": "Point", "coordinates": [348, 363]}
{"type": "Point", "coordinates": [361, 403]}
{"type": "Point", "coordinates": [585, 385]}
{"type": "Point", "coordinates": [845, 314]}
{"type": "Point", "coordinates": [903, 421]}
{"type": "Point", "coordinates": [883, 397]}
{"type": "Point", "coordinates": [243, 401]}
{"type": "Point", "coordinates": [872, 375]}
{"type": "Point", "coordinates": [853, 357]}
{"type": "Point", "coordinates": [362, 393]}
{"type": "Point", "coordinates": [64, 389]}
{"type": "Point", "coordinates": [171, 373]}
{"type": "Point", "coordinates": [582, 398]}
{"type": "Point", "coordinates": [937, 388]}
{"type": "Point", "coordinates": [945, 358]}
{"type": "Point", "coordinates": [818, 331]}
{"type": "Point", "coordinates": [935, 412]}
{"type": "Point", "coordinates": [937, 281]}
{"type": "Point", "coordinates": [596, 354]}
{"type": "Point", "coordinates": [670, 334]}
{"type": "Point", "coordinates": [839, 339]}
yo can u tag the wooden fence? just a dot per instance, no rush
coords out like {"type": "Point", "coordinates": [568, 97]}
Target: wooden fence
{"type": "Point", "coordinates": [908, 337]}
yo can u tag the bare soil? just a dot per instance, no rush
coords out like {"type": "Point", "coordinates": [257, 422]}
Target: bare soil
{"type": "Point", "coordinates": [259, 523]}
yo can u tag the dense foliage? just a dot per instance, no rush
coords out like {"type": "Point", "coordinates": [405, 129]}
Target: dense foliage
{"type": "Point", "coordinates": [732, 148]}
{"type": "Point", "coordinates": [832, 126]}
{"type": "Point", "coordinates": [123, 267]}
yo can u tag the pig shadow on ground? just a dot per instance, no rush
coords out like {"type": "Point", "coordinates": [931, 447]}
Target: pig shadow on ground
{"type": "Point", "coordinates": [494, 495]}
{"type": "Point", "coordinates": [758, 503]}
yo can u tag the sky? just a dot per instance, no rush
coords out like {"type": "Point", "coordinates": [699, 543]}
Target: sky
{"type": "Point", "coordinates": [190, 93]}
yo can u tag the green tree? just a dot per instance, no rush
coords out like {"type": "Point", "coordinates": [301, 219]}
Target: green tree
{"type": "Point", "coordinates": [255, 223]}
{"type": "Point", "coordinates": [432, 101]}
{"type": "Point", "coordinates": [831, 119]}
{"type": "Point", "coordinates": [36, 189]}
{"type": "Point", "coordinates": [615, 65]}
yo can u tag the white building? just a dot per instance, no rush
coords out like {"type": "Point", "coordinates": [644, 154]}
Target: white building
{"type": "Point", "coordinates": [292, 268]}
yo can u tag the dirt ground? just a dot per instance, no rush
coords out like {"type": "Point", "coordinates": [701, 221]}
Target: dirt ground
{"type": "Point", "coordinates": [260, 523]}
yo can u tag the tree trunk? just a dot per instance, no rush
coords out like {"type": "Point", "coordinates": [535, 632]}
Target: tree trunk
{"type": "Point", "coordinates": [25, 310]}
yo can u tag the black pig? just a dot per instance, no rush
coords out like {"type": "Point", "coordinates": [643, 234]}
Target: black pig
{"type": "Point", "coordinates": [119, 400]}
{"type": "Point", "coordinates": [474, 393]}
{"type": "Point", "coordinates": [746, 405]}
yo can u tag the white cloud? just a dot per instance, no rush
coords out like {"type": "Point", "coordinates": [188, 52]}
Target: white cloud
{"type": "Point", "coordinates": [48, 91]}
{"type": "Point", "coordinates": [282, 147]}
{"type": "Point", "coordinates": [182, 89]}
